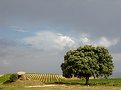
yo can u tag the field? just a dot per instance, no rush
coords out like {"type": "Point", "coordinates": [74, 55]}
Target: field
{"type": "Point", "coordinates": [71, 87]}
{"type": "Point", "coordinates": [1, 75]}
{"type": "Point", "coordinates": [57, 82]}
{"type": "Point", "coordinates": [45, 78]}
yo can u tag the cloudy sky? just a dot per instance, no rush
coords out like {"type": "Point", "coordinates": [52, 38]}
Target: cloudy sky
{"type": "Point", "coordinates": [35, 34]}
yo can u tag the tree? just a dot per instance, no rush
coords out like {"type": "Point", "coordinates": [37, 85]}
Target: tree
{"type": "Point", "coordinates": [13, 77]}
{"type": "Point", "coordinates": [87, 61]}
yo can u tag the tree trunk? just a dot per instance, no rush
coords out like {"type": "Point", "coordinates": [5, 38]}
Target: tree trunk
{"type": "Point", "coordinates": [94, 76]}
{"type": "Point", "coordinates": [87, 80]}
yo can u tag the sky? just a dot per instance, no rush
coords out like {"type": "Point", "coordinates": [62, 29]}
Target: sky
{"type": "Point", "coordinates": [36, 34]}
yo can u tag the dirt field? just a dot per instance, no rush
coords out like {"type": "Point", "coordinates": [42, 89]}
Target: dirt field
{"type": "Point", "coordinates": [63, 87]}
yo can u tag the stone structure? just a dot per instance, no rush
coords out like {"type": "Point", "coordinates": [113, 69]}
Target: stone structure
{"type": "Point", "coordinates": [21, 75]}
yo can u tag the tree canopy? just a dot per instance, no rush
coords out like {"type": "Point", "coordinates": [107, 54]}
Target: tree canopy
{"type": "Point", "coordinates": [87, 61]}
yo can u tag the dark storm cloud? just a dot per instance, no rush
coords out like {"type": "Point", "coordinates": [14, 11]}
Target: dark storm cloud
{"type": "Point", "coordinates": [98, 16]}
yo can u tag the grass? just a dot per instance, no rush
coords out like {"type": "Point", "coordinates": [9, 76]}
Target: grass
{"type": "Point", "coordinates": [109, 82]}
{"type": "Point", "coordinates": [1, 75]}
{"type": "Point", "coordinates": [93, 82]}
{"type": "Point", "coordinates": [22, 83]}
{"type": "Point", "coordinates": [4, 78]}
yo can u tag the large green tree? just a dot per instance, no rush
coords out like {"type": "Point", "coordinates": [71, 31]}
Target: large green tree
{"type": "Point", "coordinates": [87, 61]}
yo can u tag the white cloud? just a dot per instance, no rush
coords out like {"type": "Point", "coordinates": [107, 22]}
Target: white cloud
{"type": "Point", "coordinates": [102, 41]}
{"type": "Point", "coordinates": [56, 41]}
{"type": "Point", "coordinates": [17, 29]}
{"type": "Point", "coordinates": [85, 40]}
{"type": "Point", "coordinates": [20, 30]}
{"type": "Point", "coordinates": [48, 40]}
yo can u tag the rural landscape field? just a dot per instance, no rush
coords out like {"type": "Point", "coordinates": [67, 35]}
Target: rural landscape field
{"type": "Point", "coordinates": [60, 44]}
{"type": "Point", "coordinates": [58, 82]}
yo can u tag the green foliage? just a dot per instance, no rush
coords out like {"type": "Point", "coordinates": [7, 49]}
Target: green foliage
{"type": "Point", "coordinates": [13, 77]}
{"type": "Point", "coordinates": [87, 61]}
{"type": "Point", "coordinates": [4, 78]}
